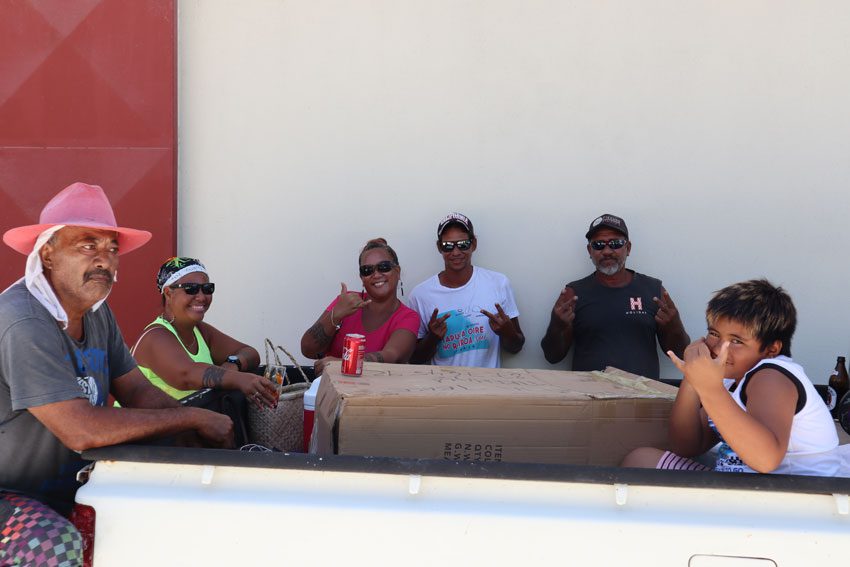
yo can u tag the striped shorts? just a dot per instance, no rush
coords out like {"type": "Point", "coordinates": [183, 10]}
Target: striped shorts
{"type": "Point", "coordinates": [31, 533]}
{"type": "Point", "coordinates": [672, 461]}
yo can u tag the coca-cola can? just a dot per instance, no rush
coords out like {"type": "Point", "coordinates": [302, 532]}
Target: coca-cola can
{"type": "Point", "coordinates": [353, 351]}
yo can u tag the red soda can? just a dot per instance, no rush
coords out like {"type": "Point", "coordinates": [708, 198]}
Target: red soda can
{"type": "Point", "coordinates": [353, 351]}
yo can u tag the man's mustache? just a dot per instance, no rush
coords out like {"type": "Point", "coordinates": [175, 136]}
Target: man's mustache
{"type": "Point", "coordinates": [99, 272]}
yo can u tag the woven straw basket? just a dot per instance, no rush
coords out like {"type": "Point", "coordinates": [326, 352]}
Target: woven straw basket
{"type": "Point", "coordinates": [281, 428]}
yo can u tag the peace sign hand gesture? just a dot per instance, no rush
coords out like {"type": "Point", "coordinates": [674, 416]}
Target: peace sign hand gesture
{"type": "Point", "coordinates": [437, 325]}
{"type": "Point", "coordinates": [500, 322]}
{"type": "Point", "coordinates": [667, 312]}
{"type": "Point", "coordinates": [565, 306]}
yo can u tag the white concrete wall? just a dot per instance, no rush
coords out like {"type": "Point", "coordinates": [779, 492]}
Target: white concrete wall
{"type": "Point", "coordinates": [719, 129]}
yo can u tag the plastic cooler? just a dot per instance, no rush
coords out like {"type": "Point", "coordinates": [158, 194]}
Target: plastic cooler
{"type": "Point", "coordinates": [310, 412]}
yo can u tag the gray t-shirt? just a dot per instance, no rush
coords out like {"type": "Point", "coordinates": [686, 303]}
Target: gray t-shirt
{"type": "Point", "coordinates": [40, 364]}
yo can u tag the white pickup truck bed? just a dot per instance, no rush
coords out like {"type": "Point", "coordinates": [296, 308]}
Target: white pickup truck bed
{"type": "Point", "coordinates": [174, 506]}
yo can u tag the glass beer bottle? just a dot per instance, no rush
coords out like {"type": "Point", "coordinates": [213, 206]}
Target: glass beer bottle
{"type": "Point", "coordinates": [839, 384]}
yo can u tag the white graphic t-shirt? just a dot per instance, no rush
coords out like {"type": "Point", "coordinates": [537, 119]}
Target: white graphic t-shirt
{"type": "Point", "coordinates": [469, 340]}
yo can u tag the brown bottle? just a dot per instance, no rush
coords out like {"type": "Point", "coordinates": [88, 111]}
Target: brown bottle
{"type": "Point", "coordinates": [839, 383]}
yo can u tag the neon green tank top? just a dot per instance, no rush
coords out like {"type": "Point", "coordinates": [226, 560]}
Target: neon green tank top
{"type": "Point", "coordinates": [203, 355]}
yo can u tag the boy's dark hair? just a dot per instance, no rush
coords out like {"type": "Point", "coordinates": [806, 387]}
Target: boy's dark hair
{"type": "Point", "coordinates": [759, 305]}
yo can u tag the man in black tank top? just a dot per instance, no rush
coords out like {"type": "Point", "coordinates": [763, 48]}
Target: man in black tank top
{"type": "Point", "coordinates": [614, 315]}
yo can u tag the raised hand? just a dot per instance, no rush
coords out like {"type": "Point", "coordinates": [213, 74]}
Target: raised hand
{"type": "Point", "coordinates": [500, 322]}
{"type": "Point", "coordinates": [565, 306]}
{"type": "Point", "coordinates": [437, 325]}
{"type": "Point", "coordinates": [348, 303]}
{"type": "Point", "coordinates": [667, 312]}
{"type": "Point", "coordinates": [700, 368]}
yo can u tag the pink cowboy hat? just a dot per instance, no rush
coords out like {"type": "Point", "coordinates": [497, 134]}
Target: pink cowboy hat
{"type": "Point", "coordinates": [77, 204]}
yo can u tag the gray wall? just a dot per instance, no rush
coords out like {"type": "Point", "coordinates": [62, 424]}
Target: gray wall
{"type": "Point", "coordinates": [719, 130]}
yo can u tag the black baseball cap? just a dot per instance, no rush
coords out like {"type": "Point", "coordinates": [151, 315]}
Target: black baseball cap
{"type": "Point", "coordinates": [607, 221]}
{"type": "Point", "coordinates": [458, 219]}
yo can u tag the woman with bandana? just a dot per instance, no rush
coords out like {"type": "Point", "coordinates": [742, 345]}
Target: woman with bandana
{"type": "Point", "coordinates": [180, 353]}
{"type": "Point", "coordinates": [388, 325]}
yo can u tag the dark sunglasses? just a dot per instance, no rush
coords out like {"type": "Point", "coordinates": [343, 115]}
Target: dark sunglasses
{"type": "Point", "coordinates": [613, 244]}
{"type": "Point", "coordinates": [367, 270]}
{"type": "Point", "coordinates": [462, 245]}
{"type": "Point", "coordinates": [194, 288]}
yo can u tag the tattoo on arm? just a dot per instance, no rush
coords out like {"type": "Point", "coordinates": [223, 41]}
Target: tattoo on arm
{"type": "Point", "coordinates": [213, 377]}
{"type": "Point", "coordinates": [374, 357]}
{"type": "Point", "coordinates": [318, 333]}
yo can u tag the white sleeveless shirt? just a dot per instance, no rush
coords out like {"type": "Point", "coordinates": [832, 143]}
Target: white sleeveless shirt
{"type": "Point", "coordinates": [813, 440]}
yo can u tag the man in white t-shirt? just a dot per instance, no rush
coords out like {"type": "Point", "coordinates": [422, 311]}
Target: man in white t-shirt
{"type": "Point", "coordinates": [468, 313]}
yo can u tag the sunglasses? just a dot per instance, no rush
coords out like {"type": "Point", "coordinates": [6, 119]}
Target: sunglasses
{"type": "Point", "coordinates": [194, 288]}
{"type": "Point", "coordinates": [385, 266]}
{"type": "Point", "coordinates": [613, 244]}
{"type": "Point", "coordinates": [462, 245]}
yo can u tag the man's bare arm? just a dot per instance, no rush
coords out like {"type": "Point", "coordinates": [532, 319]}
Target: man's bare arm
{"type": "Point", "coordinates": [558, 339]}
{"type": "Point", "coordinates": [133, 390]}
{"type": "Point", "coordinates": [152, 412]}
{"type": "Point", "coordinates": [81, 426]}
{"type": "Point", "coordinates": [671, 332]}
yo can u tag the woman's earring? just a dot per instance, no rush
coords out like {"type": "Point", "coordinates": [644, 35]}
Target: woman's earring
{"type": "Point", "coordinates": [401, 283]}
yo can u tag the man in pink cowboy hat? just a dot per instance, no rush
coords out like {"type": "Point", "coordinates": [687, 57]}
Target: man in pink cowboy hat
{"type": "Point", "coordinates": [61, 355]}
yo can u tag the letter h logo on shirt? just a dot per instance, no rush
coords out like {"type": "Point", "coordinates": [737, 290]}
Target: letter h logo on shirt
{"type": "Point", "coordinates": [635, 304]}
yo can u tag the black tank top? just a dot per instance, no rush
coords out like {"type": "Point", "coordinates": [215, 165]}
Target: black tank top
{"type": "Point", "coordinates": [615, 326]}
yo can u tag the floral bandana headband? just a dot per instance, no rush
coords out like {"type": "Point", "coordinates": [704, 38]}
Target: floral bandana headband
{"type": "Point", "coordinates": [175, 268]}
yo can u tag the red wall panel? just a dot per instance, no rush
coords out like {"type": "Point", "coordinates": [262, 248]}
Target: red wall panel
{"type": "Point", "coordinates": [88, 93]}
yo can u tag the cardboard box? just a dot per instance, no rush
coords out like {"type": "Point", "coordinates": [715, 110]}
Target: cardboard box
{"type": "Point", "coordinates": [490, 414]}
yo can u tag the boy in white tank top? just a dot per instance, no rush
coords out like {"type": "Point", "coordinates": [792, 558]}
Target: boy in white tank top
{"type": "Point", "coordinates": [766, 415]}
